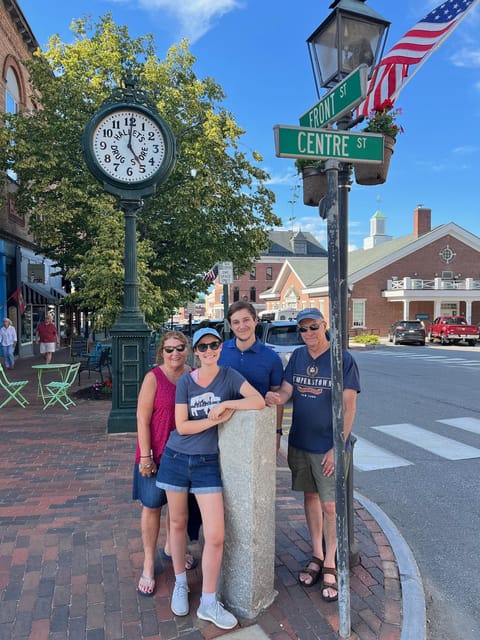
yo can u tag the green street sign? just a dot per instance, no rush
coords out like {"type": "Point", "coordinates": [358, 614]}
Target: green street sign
{"type": "Point", "coordinates": [345, 96]}
{"type": "Point", "coordinates": [326, 144]}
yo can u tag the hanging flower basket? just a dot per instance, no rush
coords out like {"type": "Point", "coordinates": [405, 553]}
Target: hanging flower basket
{"type": "Point", "coordinates": [314, 185]}
{"type": "Point", "coordinates": [371, 174]}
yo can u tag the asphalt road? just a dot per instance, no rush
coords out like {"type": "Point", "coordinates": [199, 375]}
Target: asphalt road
{"type": "Point", "coordinates": [428, 486]}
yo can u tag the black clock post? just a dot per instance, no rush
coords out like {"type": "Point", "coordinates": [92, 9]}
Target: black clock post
{"type": "Point", "coordinates": [130, 149]}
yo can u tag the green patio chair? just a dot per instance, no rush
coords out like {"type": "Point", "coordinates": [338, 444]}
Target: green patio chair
{"type": "Point", "coordinates": [13, 389]}
{"type": "Point", "coordinates": [57, 391]}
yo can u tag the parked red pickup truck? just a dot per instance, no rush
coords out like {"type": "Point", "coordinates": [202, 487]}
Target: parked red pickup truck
{"type": "Point", "coordinates": [452, 330]}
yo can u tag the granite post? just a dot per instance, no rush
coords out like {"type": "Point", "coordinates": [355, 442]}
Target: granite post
{"type": "Point", "coordinates": [247, 445]}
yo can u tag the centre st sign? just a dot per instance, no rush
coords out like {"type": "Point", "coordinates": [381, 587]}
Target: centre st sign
{"type": "Point", "coordinates": [328, 144]}
{"type": "Point", "coordinates": [344, 97]}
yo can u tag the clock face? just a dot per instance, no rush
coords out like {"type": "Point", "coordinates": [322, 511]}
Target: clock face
{"type": "Point", "coordinates": [128, 146]}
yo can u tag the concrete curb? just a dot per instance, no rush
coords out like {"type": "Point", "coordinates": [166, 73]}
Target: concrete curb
{"type": "Point", "coordinates": [414, 620]}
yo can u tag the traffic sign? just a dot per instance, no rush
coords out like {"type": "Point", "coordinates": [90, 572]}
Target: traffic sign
{"type": "Point", "coordinates": [327, 144]}
{"type": "Point", "coordinates": [225, 272]}
{"type": "Point", "coordinates": [345, 96]}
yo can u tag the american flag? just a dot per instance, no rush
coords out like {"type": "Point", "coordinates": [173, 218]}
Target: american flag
{"type": "Point", "coordinates": [18, 297]}
{"type": "Point", "coordinates": [210, 276]}
{"type": "Point", "coordinates": [414, 48]}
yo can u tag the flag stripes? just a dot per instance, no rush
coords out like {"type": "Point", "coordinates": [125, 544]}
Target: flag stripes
{"type": "Point", "coordinates": [210, 276]}
{"type": "Point", "coordinates": [412, 49]}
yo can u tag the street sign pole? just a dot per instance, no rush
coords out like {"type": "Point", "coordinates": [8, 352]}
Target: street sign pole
{"type": "Point", "coordinates": [329, 209]}
{"type": "Point", "coordinates": [225, 277]}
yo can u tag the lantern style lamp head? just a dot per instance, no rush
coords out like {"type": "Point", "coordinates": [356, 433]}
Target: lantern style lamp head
{"type": "Point", "coordinates": [351, 35]}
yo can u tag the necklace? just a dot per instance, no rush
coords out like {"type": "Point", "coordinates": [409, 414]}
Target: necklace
{"type": "Point", "coordinates": [312, 369]}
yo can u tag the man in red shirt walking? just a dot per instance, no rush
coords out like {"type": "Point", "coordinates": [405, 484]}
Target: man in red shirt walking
{"type": "Point", "coordinates": [47, 337]}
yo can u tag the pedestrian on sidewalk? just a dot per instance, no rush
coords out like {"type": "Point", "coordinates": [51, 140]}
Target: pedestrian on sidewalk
{"type": "Point", "coordinates": [308, 381]}
{"type": "Point", "coordinates": [47, 337]}
{"type": "Point", "coordinates": [155, 421]}
{"type": "Point", "coordinates": [260, 366]}
{"type": "Point", "coordinates": [205, 398]}
{"type": "Point", "coordinates": [8, 341]}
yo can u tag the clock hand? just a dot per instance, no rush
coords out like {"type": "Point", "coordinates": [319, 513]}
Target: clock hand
{"type": "Point", "coordinates": [129, 143]}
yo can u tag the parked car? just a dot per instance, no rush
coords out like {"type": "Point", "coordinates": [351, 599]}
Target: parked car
{"type": "Point", "coordinates": [452, 330]}
{"type": "Point", "coordinates": [407, 331]}
{"type": "Point", "coordinates": [282, 337]}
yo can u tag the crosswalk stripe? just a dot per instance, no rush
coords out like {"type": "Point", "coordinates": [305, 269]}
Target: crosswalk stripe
{"type": "Point", "coordinates": [368, 457]}
{"type": "Point", "coordinates": [429, 441]}
{"type": "Point", "coordinates": [467, 424]}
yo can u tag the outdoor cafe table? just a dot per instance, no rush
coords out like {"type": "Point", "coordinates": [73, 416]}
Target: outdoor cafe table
{"type": "Point", "coordinates": [62, 368]}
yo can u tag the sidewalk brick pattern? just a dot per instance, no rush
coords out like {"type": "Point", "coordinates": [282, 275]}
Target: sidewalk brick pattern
{"type": "Point", "coordinates": [71, 552]}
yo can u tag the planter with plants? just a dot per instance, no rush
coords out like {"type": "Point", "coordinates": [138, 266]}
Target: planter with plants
{"type": "Point", "coordinates": [381, 120]}
{"type": "Point", "coordinates": [314, 180]}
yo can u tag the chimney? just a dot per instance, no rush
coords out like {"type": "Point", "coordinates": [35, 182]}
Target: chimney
{"type": "Point", "coordinates": [422, 221]}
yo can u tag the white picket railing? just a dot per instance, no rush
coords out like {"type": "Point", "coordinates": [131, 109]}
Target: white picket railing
{"type": "Point", "coordinates": [468, 284]}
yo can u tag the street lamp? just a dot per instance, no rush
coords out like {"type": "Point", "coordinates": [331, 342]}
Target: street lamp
{"type": "Point", "coordinates": [353, 34]}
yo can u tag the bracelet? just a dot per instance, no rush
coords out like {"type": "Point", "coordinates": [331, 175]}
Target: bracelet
{"type": "Point", "coordinates": [149, 456]}
{"type": "Point", "coordinates": [280, 432]}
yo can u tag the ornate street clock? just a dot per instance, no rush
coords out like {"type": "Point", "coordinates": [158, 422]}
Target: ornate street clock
{"type": "Point", "coordinates": [130, 149]}
{"type": "Point", "coordinates": [128, 146]}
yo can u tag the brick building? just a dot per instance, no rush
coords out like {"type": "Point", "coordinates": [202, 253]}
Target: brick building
{"type": "Point", "coordinates": [25, 274]}
{"type": "Point", "coordinates": [428, 273]}
{"type": "Point", "coordinates": [248, 286]}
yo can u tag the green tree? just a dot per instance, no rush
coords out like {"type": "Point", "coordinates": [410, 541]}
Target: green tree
{"type": "Point", "coordinates": [224, 212]}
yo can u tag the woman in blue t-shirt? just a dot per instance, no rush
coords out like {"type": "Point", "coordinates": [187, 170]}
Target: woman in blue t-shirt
{"type": "Point", "coordinates": [190, 463]}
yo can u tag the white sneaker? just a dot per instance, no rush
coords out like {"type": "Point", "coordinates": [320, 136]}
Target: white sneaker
{"type": "Point", "coordinates": [179, 604]}
{"type": "Point", "coordinates": [217, 614]}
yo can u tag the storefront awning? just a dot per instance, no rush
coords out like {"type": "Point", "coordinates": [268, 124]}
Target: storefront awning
{"type": "Point", "coordinates": [36, 293]}
{"type": "Point", "coordinates": [58, 293]}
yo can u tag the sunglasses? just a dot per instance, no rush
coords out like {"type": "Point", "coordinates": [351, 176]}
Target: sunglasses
{"type": "Point", "coordinates": [312, 327]}
{"type": "Point", "coordinates": [204, 346]}
{"type": "Point", "coordinates": [178, 347]}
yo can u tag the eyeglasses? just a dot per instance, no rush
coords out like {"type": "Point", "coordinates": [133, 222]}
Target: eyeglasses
{"type": "Point", "coordinates": [204, 346]}
{"type": "Point", "coordinates": [178, 347]}
{"type": "Point", "coordinates": [312, 327]}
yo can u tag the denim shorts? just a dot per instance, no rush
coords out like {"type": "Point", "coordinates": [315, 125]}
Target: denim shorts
{"type": "Point", "coordinates": [145, 490]}
{"type": "Point", "coordinates": [183, 472]}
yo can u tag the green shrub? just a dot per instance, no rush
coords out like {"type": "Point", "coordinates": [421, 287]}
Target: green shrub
{"type": "Point", "coordinates": [366, 339]}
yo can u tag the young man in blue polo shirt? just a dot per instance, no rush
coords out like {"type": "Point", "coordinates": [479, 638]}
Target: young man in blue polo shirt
{"type": "Point", "coordinates": [260, 365]}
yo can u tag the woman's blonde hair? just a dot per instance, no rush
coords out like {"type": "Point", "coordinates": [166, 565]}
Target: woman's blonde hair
{"type": "Point", "coordinates": [168, 335]}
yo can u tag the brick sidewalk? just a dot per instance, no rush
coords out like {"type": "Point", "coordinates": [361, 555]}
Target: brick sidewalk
{"type": "Point", "coordinates": [71, 552]}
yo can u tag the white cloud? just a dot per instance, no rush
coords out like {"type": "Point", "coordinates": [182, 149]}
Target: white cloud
{"type": "Point", "coordinates": [466, 150]}
{"type": "Point", "coordinates": [466, 57]}
{"type": "Point", "coordinates": [196, 17]}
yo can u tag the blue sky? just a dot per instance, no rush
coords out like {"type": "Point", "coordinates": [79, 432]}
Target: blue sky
{"type": "Point", "coordinates": [255, 49]}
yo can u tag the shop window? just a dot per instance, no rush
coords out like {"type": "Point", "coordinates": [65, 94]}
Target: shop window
{"type": "Point", "coordinates": [358, 313]}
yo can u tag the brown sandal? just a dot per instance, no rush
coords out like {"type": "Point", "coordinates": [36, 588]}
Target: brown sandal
{"type": "Point", "coordinates": [330, 585]}
{"type": "Point", "coordinates": [313, 573]}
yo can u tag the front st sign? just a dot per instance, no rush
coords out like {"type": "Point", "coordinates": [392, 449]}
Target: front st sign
{"type": "Point", "coordinates": [340, 100]}
{"type": "Point", "coordinates": [328, 144]}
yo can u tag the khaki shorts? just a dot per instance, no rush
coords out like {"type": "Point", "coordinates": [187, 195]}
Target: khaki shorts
{"type": "Point", "coordinates": [307, 473]}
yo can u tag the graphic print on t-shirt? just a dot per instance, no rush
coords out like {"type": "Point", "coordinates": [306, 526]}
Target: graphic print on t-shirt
{"type": "Point", "coordinates": [309, 385]}
{"type": "Point", "coordinates": [201, 405]}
